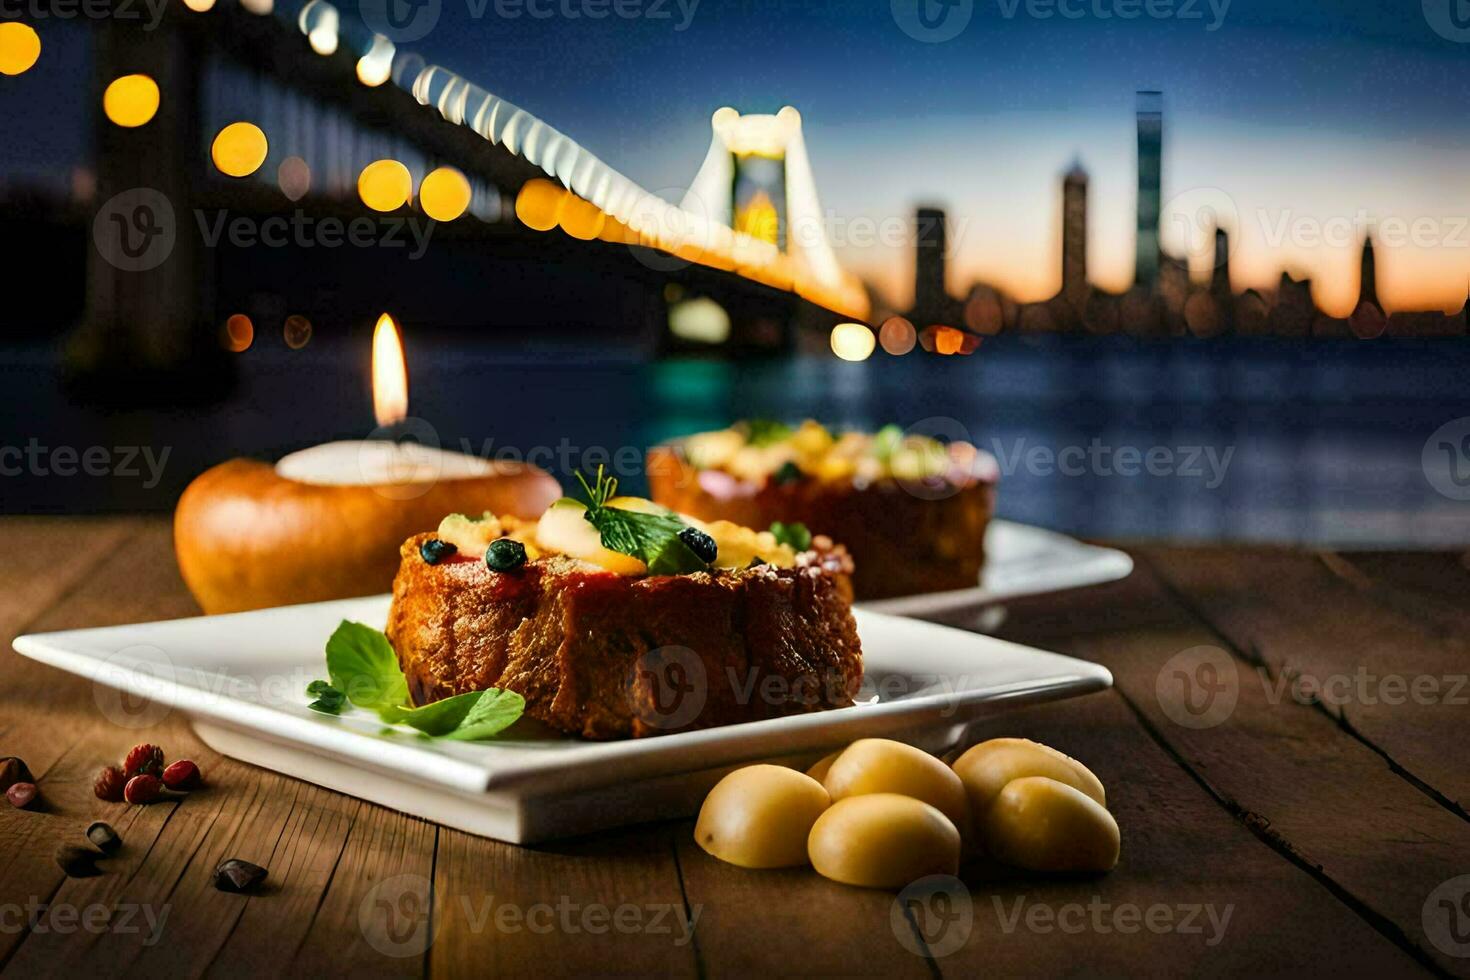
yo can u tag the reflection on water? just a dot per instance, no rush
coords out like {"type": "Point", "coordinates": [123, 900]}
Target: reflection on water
{"type": "Point", "coordinates": [1101, 437]}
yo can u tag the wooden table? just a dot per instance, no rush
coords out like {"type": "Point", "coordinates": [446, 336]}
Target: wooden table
{"type": "Point", "coordinates": [1285, 834]}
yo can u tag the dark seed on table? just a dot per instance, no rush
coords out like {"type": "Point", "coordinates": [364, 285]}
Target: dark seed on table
{"type": "Point", "coordinates": [14, 770]}
{"type": "Point", "coordinates": [104, 837]}
{"type": "Point", "coordinates": [78, 861]}
{"type": "Point", "coordinates": [234, 875]}
{"type": "Point", "coordinates": [433, 551]}
{"type": "Point", "coordinates": [505, 554]}
{"type": "Point", "coordinates": [21, 795]}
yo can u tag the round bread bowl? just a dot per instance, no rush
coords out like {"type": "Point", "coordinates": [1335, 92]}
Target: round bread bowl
{"type": "Point", "coordinates": [247, 537]}
{"type": "Point", "coordinates": [903, 539]}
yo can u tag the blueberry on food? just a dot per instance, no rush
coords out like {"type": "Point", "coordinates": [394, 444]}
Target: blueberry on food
{"type": "Point", "coordinates": [433, 551]}
{"type": "Point", "coordinates": [505, 554]}
{"type": "Point", "coordinates": [701, 544]}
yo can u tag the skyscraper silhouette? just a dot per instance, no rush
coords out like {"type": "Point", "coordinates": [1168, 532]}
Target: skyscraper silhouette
{"type": "Point", "coordinates": [1150, 191]}
{"type": "Point", "coordinates": [930, 299]}
{"type": "Point", "coordinates": [1074, 236]}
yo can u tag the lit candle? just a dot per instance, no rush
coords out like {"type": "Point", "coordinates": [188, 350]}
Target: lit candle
{"type": "Point", "coordinates": [366, 462]}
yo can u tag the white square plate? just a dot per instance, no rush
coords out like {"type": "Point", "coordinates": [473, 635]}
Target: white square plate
{"type": "Point", "coordinates": [1020, 560]}
{"type": "Point", "coordinates": [241, 680]}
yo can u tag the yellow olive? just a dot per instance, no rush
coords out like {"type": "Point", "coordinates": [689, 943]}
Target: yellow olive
{"type": "Point", "coordinates": [986, 768]}
{"type": "Point", "coordinates": [883, 840]}
{"type": "Point", "coordinates": [1045, 825]}
{"type": "Point", "coordinates": [879, 765]}
{"type": "Point", "coordinates": [819, 769]}
{"type": "Point", "coordinates": [760, 816]}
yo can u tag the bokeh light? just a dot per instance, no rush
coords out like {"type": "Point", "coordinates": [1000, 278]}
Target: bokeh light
{"type": "Point", "coordinates": [580, 218]}
{"type": "Point", "coordinates": [445, 194]}
{"type": "Point", "coordinates": [294, 178]}
{"type": "Point", "coordinates": [385, 185]}
{"type": "Point", "coordinates": [320, 22]}
{"type": "Point", "coordinates": [131, 100]}
{"type": "Point", "coordinates": [199, 6]}
{"type": "Point", "coordinates": [239, 149]}
{"type": "Point", "coordinates": [261, 7]}
{"type": "Point", "coordinates": [297, 332]}
{"type": "Point", "coordinates": [20, 46]}
{"type": "Point", "coordinates": [239, 333]}
{"type": "Point", "coordinates": [852, 341]}
{"type": "Point", "coordinates": [376, 66]}
{"type": "Point", "coordinates": [538, 204]}
{"type": "Point", "coordinates": [897, 336]}
{"type": "Point", "coordinates": [948, 340]}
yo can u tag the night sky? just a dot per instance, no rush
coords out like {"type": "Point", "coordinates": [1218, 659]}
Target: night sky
{"type": "Point", "coordinates": [1297, 124]}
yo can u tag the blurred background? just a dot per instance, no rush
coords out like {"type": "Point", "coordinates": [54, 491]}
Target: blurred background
{"type": "Point", "coordinates": [1190, 269]}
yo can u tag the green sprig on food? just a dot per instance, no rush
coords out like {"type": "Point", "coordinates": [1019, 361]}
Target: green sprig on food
{"type": "Point", "coordinates": [658, 539]}
{"type": "Point", "coordinates": [794, 534]}
{"type": "Point", "coordinates": [364, 672]}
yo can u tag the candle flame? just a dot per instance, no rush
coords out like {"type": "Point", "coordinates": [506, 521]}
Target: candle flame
{"type": "Point", "coordinates": [390, 374]}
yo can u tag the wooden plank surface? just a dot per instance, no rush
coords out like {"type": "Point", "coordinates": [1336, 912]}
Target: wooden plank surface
{"type": "Point", "coordinates": [1282, 838]}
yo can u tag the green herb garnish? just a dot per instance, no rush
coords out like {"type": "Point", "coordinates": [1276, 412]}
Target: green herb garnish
{"type": "Point", "coordinates": [651, 538]}
{"type": "Point", "coordinates": [329, 700]}
{"type": "Point", "coordinates": [364, 671]}
{"type": "Point", "coordinates": [795, 534]}
{"type": "Point", "coordinates": [766, 432]}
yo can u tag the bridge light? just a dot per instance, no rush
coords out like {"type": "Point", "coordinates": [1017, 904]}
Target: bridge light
{"type": "Point", "coordinates": [580, 219]}
{"type": "Point", "coordinates": [320, 22]}
{"type": "Point", "coordinates": [294, 176]}
{"type": "Point", "coordinates": [131, 100]}
{"type": "Point", "coordinates": [20, 46]}
{"type": "Point", "coordinates": [385, 185]}
{"type": "Point", "coordinates": [444, 194]}
{"type": "Point", "coordinates": [376, 66]}
{"type": "Point", "coordinates": [897, 335]}
{"type": "Point", "coordinates": [239, 149]}
{"type": "Point", "coordinates": [539, 203]}
{"type": "Point", "coordinates": [852, 341]}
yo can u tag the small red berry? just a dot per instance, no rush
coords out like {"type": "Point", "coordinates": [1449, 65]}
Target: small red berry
{"type": "Point", "coordinates": [182, 775]}
{"type": "Point", "coordinates": [109, 784]}
{"type": "Point", "coordinates": [142, 789]}
{"type": "Point", "coordinates": [144, 758]}
{"type": "Point", "coordinates": [20, 795]}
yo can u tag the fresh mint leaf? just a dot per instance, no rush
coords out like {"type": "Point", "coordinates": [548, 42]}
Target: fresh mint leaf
{"type": "Point", "coordinates": [651, 538]}
{"type": "Point", "coordinates": [766, 432]}
{"type": "Point", "coordinates": [795, 534]}
{"type": "Point", "coordinates": [328, 701]}
{"type": "Point", "coordinates": [363, 666]}
{"type": "Point", "coordinates": [494, 712]}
